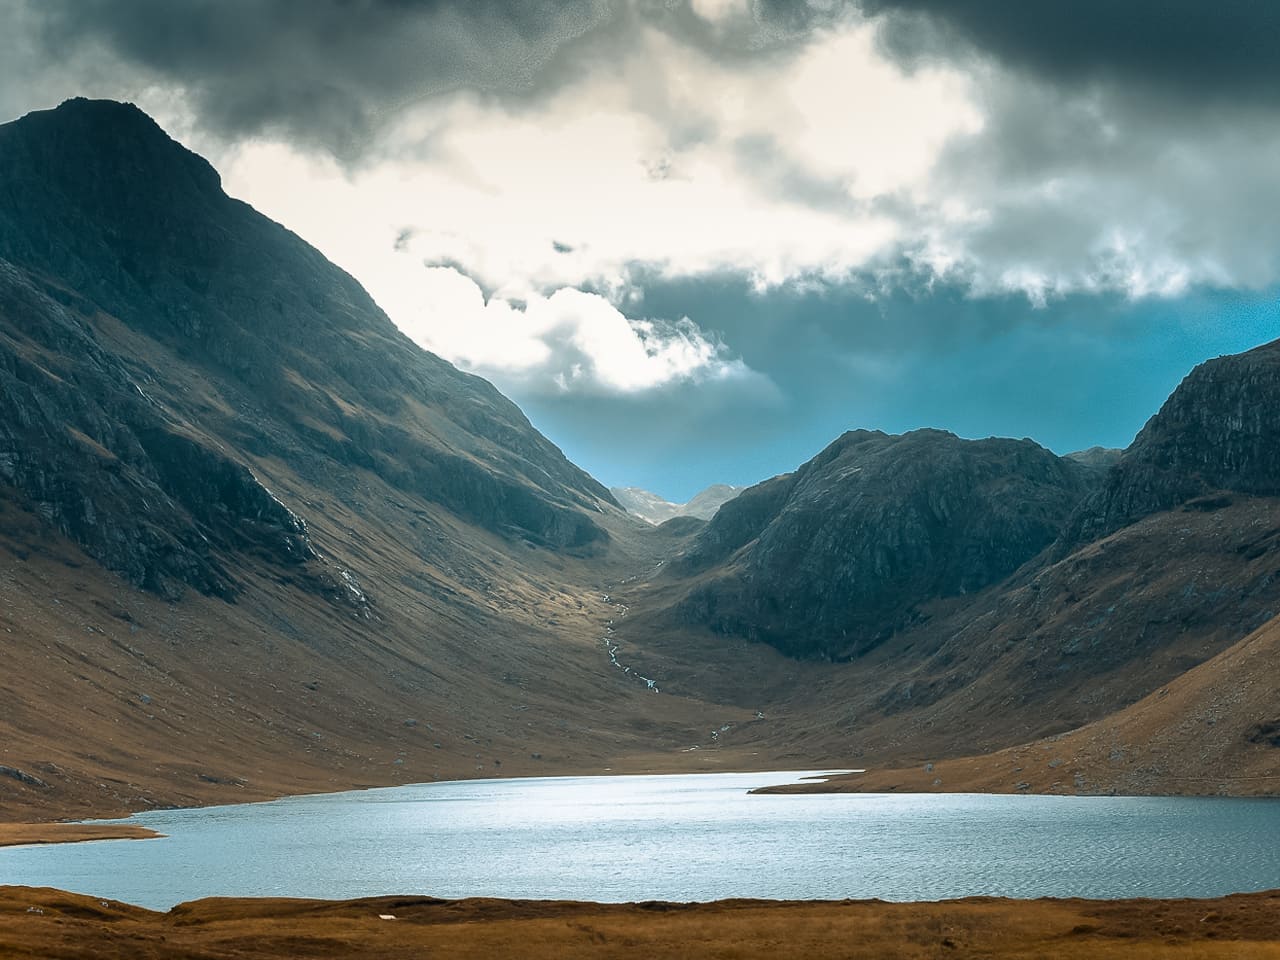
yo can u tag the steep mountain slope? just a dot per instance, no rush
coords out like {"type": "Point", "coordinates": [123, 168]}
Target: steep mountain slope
{"type": "Point", "coordinates": [252, 539]}
{"type": "Point", "coordinates": [652, 508]}
{"type": "Point", "coordinates": [831, 560]}
{"type": "Point", "coordinates": [101, 210]}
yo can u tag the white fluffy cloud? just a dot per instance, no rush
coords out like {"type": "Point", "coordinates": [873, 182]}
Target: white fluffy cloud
{"type": "Point", "coordinates": [569, 341]}
{"type": "Point", "coordinates": [773, 173]}
{"type": "Point", "coordinates": [669, 158]}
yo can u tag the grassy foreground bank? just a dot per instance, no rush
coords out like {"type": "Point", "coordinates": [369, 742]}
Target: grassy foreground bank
{"type": "Point", "coordinates": [44, 923]}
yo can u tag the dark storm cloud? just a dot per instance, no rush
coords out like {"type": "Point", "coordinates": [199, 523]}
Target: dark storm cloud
{"type": "Point", "coordinates": [330, 72]}
{"type": "Point", "coordinates": [322, 70]}
{"type": "Point", "coordinates": [1215, 49]}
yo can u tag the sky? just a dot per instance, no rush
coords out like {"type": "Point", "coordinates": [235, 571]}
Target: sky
{"type": "Point", "coordinates": [697, 240]}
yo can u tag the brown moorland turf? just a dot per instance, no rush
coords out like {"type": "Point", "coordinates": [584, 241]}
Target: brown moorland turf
{"type": "Point", "coordinates": [17, 834]}
{"type": "Point", "coordinates": [1213, 730]}
{"type": "Point", "coordinates": [48, 924]}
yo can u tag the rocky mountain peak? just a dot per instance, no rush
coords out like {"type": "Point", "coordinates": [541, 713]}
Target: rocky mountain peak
{"type": "Point", "coordinates": [159, 338]}
{"type": "Point", "coordinates": [832, 559]}
{"type": "Point", "coordinates": [1218, 432]}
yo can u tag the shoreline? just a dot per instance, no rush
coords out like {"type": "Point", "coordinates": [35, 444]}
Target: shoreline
{"type": "Point", "coordinates": [806, 781]}
{"type": "Point", "coordinates": [37, 922]}
{"type": "Point", "coordinates": [978, 775]}
{"type": "Point", "coordinates": [34, 834]}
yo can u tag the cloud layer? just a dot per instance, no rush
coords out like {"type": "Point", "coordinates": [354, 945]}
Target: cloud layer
{"type": "Point", "coordinates": [567, 342]}
{"type": "Point", "coordinates": [317, 71]}
{"type": "Point", "coordinates": [1044, 148]}
{"type": "Point", "coordinates": [727, 217]}
{"type": "Point", "coordinates": [1222, 50]}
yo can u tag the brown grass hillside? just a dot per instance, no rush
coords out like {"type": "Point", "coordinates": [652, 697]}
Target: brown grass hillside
{"type": "Point", "coordinates": [1213, 730]}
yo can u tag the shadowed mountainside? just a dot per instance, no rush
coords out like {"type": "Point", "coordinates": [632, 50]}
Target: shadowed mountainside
{"type": "Point", "coordinates": [1219, 431]}
{"type": "Point", "coordinates": [105, 220]}
{"type": "Point", "coordinates": [831, 560]}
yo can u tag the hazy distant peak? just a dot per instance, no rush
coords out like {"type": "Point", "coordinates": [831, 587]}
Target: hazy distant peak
{"type": "Point", "coordinates": [1101, 458]}
{"type": "Point", "coordinates": [654, 509]}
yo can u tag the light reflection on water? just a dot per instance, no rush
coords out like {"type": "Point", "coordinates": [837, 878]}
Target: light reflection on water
{"type": "Point", "coordinates": [691, 837]}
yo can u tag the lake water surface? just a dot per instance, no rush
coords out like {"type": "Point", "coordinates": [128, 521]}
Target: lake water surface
{"type": "Point", "coordinates": [697, 837]}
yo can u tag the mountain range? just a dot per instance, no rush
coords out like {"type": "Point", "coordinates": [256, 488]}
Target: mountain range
{"type": "Point", "coordinates": [256, 541]}
{"type": "Point", "coordinates": [652, 508]}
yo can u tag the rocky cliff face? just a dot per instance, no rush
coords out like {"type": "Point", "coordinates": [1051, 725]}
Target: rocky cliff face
{"type": "Point", "coordinates": [829, 561]}
{"type": "Point", "coordinates": [1217, 434]}
{"type": "Point", "coordinates": [117, 244]}
{"type": "Point", "coordinates": [101, 461]}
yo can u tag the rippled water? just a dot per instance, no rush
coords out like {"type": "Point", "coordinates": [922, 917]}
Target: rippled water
{"type": "Point", "coordinates": [674, 838]}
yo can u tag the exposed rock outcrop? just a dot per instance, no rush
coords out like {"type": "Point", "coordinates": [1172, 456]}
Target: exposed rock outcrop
{"type": "Point", "coordinates": [829, 561]}
{"type": "Point", "coordinates": [102, 462]}
{"type": "Point", "coordinates": [1217, 434]}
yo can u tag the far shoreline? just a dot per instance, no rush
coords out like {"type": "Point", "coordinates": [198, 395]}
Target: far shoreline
{"type": "Point", "coordinates": [805, 782]}
{"type": "Point", "coordinates": [39, 834]}
{"type": "Point", "coordinates": [48, 832]}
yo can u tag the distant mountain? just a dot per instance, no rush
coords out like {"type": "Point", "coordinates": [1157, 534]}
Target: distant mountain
{"type": "Point", "coordinates": [992, 594]}
{"type": "Point", "coordinates": [832, 559]}
{"type": "Point", "coordinates": [1099, 458]}
{"type": "Point", "coordinates": [653, 509]}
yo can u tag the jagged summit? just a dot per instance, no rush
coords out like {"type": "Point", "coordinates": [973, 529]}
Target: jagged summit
{"type": "Point", "coordinates": [1218, 433]}
{"type": "Point", "coordinates": [105, 132]}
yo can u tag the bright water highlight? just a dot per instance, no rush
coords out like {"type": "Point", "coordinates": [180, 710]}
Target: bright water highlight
{"type": "Point", "coordinates": [693, 837]}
